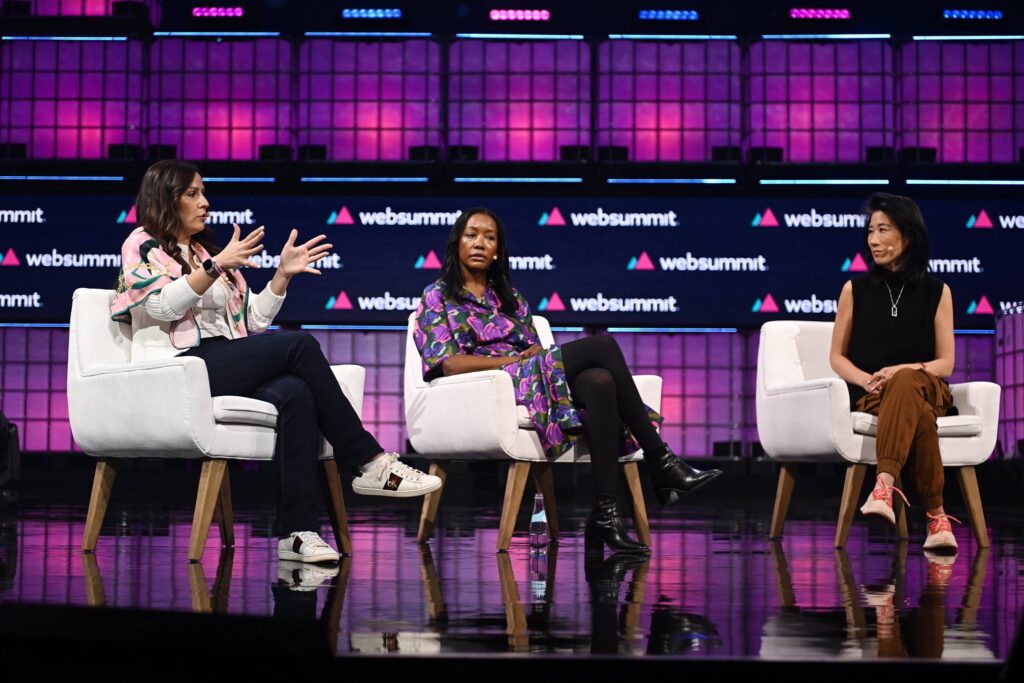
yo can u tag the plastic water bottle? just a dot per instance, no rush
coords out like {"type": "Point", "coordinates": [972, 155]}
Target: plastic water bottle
{"type": "Point", "coordinates": [538, 523]}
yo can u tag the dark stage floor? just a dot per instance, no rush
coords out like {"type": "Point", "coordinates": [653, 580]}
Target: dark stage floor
{"type": "Point", "coordinates": [715, 586]}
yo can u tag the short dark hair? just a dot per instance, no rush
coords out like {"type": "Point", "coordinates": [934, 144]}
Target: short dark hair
{"type": "Point", "coordinates": [906, 217]}
{"type": "Point", "coordinates": [497, 272]}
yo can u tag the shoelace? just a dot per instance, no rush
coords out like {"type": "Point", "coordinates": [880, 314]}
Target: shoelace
{"type": "Point", "coordinates": [403, 470]}
{"type": "Point", "coordinates": [312, 539]}
{"type": "Point", "coordinates": [940, 523]}
{"type": "Point", "coordinates": [884, 493]}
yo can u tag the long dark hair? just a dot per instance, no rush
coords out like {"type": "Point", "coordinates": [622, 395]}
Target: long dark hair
{"type": "Point", "coordinates": [906, 217]}
{"type": "Point", "coordinates": [163, 184]}
{"type": "Point", "coordinates": [497, 272]}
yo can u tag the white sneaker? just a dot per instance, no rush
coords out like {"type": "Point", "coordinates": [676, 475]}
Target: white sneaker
{"type": "Point", "coordinates": [306, 546]}
{"type": "Point", "coordinates": [387, 476]}
{"type": "Point", "coordinates": [302, 577]}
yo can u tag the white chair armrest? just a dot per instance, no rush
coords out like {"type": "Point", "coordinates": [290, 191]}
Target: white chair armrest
{"type": "Point", "coordinates": [469, 413]}
{"type": "Point", "coordinates": [810, 418]}
{"type": "Point", "coordinates": [152, 407]}
{"type": "Point", "coordinates": [352, 379]}
{"type": "Point", "coordinates": [981, 399]}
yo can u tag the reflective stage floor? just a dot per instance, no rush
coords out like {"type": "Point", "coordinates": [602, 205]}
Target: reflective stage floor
{"type": "Point", "coordinates": [714, 587]}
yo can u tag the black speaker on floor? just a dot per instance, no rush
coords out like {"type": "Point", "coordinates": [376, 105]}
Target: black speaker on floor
{"type": "Point", "coordinates": [312, 152]}
{"type": "Point", "coordinates": [918, 155]}
{"type": "Point", "coordinates": [275, 153]}
{"type": "Point", "coordinates": [161, 152]}
{"type": "Point", "coordinates": [880, 155]}
{"type": "Point", "coordinates": [463, 152]}
{"type": "Point", "coordinates": [726, 153]}
{"type": "Point", "coordinates": [13, 150]}
{"type": "Point", "coordinates": [574, 153]}
{"type": "Point", "coordinates": [424, 153]}
{"type": "Point", "coordinates": [124, 152]}
{"type": "Point", "coordinates": [16, 8]}
{"type": "Point", "coordinates": [10, 453]}
{"type": "Point", "coordinates": [129, 9]}
{"type": "Point", "coordinates": [612, 153]}
{"type": "Point", "coordinates": [765, 155]}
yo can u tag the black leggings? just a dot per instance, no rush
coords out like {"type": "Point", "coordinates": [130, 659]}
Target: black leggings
{"type": "Point", "coordinates": [601, 383]}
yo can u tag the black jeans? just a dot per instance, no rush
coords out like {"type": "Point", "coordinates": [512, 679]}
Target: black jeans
{"type": "Point", "coordinates": [600, 381]}
{"type": "Point", "coordinates": [289, 370]}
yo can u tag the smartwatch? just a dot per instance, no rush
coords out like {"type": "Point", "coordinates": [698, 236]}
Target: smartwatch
{"type": "Point", "coordinates": [212, 268]}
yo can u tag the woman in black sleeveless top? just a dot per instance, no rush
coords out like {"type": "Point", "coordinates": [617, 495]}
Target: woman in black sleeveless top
{"type": "Point", "coordinates": [893, 344]}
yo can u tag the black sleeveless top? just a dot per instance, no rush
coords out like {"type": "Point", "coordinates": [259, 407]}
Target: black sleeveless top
{"type": "Point", "coordinates": [878, 339]}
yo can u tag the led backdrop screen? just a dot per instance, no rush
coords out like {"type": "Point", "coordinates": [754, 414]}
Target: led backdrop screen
{"type": "Point", "coordinates": [624, 262]}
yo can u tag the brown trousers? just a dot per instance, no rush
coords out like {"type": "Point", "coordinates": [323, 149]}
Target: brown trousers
{"type": "Point", "coordinates": [907, 408]}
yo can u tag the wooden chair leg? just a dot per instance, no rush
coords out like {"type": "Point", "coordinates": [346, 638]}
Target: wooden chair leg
{"type": "Point", "coordinates": [643, 527]}
{"type": "Point", "coordinates": [102, 484]}
{"type": "Point", "coordinates": [515, 614]}
{"type": "Point", "coordinates": [783, 494]}
{"type": "Point", "coordinates": [222, 581]}
{"type": "Point", "coordinates": [95, 593]}
{"type": "Point", "coordinates": [518, 472]}
{"type": "Point", "coordinates": [851, 494]}
{"type": "Point", "coordinates": [545, 483]}
{"type": "Point", "coordinates": [210, 480]}
{"type": "Point", "coordinates": [198, 590]}
{"type": "Point", "coordinates": [900, 510]}
{"type": "Point", "coordinates": [224, 514]}
{"type": "Point", "coordinates": [331, 483]}
{"type": "Point", "coordinates": [428, 516]}
{"type": "Point", "coordinates": [968, 479]}
{"type": "Point", "coordinates": [437, 608]}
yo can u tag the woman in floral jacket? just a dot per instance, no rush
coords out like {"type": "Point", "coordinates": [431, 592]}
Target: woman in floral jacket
{"type": "Point", "coordinates": [473, 319]}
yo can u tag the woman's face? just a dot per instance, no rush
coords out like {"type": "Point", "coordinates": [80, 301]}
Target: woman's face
{"type": "Point", "coordinates": [478, 247]}
{"type": "Point", "coordinates": [193, 208]}
{"type": "Point", "coordinates": [886, 241]}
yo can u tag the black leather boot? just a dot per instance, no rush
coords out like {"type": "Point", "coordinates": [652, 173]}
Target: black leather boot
{"type": "Point", "coordinates": [605, 526]}
{"type": "Point", "coordinates": [672, 476]}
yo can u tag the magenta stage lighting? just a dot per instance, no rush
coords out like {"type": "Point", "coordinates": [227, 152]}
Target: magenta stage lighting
{"type": "Point", "coordinates": [984, 14]}
{"type": "Point", "coordinates": [371, 13]}
{"type": "Point", "coordinates": [520, 15]}
{"type": "Point", "coordinates": [817, 13]}
{"type": "Point", "coordinates": [668, 15]}
{"type": "Point", "coordinates": [218, 12]}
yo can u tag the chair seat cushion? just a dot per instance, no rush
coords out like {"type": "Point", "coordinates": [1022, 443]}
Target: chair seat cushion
{"type": "Point", "coordinates": [958, 425]}
{"type": "Point", "coordinates": [244, 411]}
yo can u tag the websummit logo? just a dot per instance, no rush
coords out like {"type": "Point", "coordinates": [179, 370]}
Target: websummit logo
{"type": "Point", "coordinates": [641, 262]}
{"type": "Point", "coordinates": [765, 305]}
{"type": "Point", "coordinates": [553, 217]}
{"type": "Point", "coordinates": [981, 220]}
{"type": "Point", "coordinates": [341, 217]}
{"type": "Point", "coordinates": [980, 307]}
{"type": "Point", "coordinates": [551, 303]}
{"type": "Point", "coordinates": [339, 303]}
{"type": "Point", "coordinates": [128, 216]}
{"type": "Point", "coordinates": [765, 220]}
{"type": "Point", "coordinates": [855, 265]}
{"type": "Point", "coordinates": [428, 262]}
{"type": "Point", "coordinates": [10, 258]}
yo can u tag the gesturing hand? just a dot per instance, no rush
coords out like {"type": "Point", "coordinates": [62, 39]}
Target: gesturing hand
{"type": "Point", "coordinates": [238, 251]}
{"type": "Point", "coordinates": [299, 258]}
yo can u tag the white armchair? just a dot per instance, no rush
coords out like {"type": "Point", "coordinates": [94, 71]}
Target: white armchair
{"type": "Point", "coordinates": [474, 416]}
{"type": "Point", "coordinates": [803, 415]}
{"type": "Point", "coordinates": [163, 409]}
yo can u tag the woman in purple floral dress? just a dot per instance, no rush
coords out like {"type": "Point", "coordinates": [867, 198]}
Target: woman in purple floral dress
{"type": "Point", "coordinates": [472, 319]}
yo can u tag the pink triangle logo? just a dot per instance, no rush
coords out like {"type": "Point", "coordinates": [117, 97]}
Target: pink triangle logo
{"type": "Point", "coordinates": [10, 258]}
{"type": "Point", "coordinates": [431, 261]}
{"type": "Point", "coordinates": [555, 301]}
{"type": "Point", "coordinates": [342, 303]}
{"type": "Point", "coordinates": [984, 307]}
{"type": "Point", "coordinates": [983, 221]}
{"type": "Point", "coordinates": [343, 218]}
{"type": "Point", "coordinates": [555, 217]}
{"type": "Point", "coordinates": [768, 219]}
{"type": "Point", "coordinates": [858, 265]}
{"type": "Point", "coordinates": [130, 218]}
{"type": "Point", "coordinates": [644, 262]}
{"type": "Point", "coordinates": [768, 305]}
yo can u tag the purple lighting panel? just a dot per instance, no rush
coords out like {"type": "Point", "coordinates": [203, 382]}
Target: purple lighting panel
{"type": "Point", "coordinates": [71, 99]}
{"type": "Point", "coordinates": [821, 102]}
{"type": "Point", "coordinates": [220, 100]}
{"type": "Point", "coordinates": [88, 8]}
{"type": "Point", "coordinates": [369, 101]}
{"type": "Point", "coordinates": [519, 101]}
{"type": "Point", "coordinates": [964, 100]}
{"type": "Point", "coordinates": [669, 101]}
